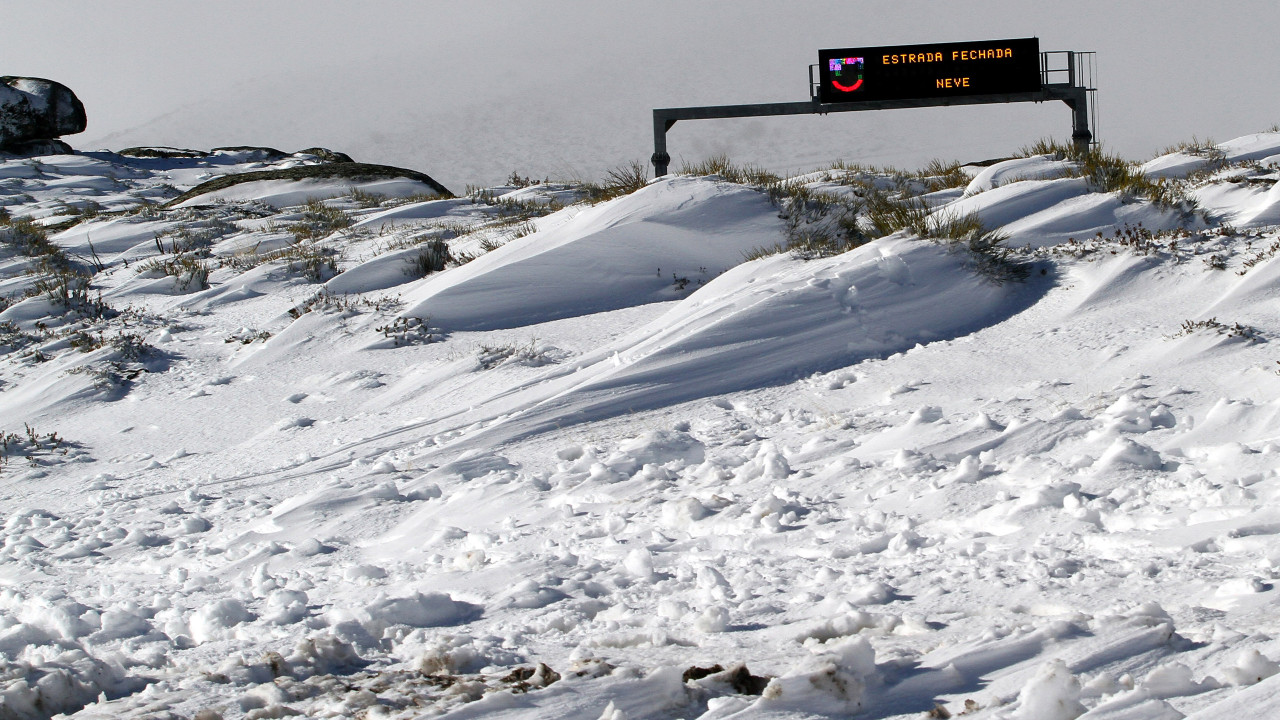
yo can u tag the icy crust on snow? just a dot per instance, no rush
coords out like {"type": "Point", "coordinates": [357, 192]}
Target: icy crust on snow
{"type": "Point", "coordinates": [873, 485]}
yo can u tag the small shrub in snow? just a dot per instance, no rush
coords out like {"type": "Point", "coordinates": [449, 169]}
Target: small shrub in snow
{"type": "Point", "coordinates": [941, 175]}
{"type": "Point", "coordinates": [56, 277]}
{"type": "Point", "coordinates": [1177, 244]}
{"type": "Point", "coordinates": [14, 338]}
{"type": "Point", "coordinates": [187, 272]}
{"type": "Point", "coordinates": [510, 211]}
{"type": "Point", "coordinates": [1205, 148]}
{"type": "Point", "coordinates": [365, 199]}
{"type": "Point", "coordinates": [69, 288]}
{"type": "Point", "coordinates": [108, 375]}
{"type": "Point", "coordinates": [1248, 333]}
{"type": "Point", "coordinates": [430, 258]}
{"type": "Point", "coordinates": [524, 229]}
{"type": "Point", "coordinates": [518, 181]}
{"type": "Point", "coordinates": [721, 166]}
{"type": "Point", "coordinates": [314, 262]}
{"type": "Point", "coordinates": [28, 238]}
{"type": "Point", "coordinates": [30, 444]}
{"type": "Point", "coordinates": [246, 336]}
{"type": "Point", "coordinates": [530, 353]}
{"type": "Point", "coordinates": [197, 233]}
{"type": "Point", "coordinates": [1217, 261]}
{"type": "Point", "coordinates": [886, 213]}
{"type": "Point", "coordinates": [1259, 256]}
{"type": "Point", "coordinates": [319, 220]}
{"type": "Point", "coordinates": [622, 180]}
{"type": "Point", "coordinates": [326, 301]}
{"type": "Point", "coordinates": [404, 331]}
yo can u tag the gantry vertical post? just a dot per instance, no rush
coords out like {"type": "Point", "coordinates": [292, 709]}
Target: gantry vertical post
{"type": "Point", "coordinates": [1081, 137]}
{"type": "Point", "coordinates": [660, 158]}
{"type": "Point", "coordinates": [1078, 101]}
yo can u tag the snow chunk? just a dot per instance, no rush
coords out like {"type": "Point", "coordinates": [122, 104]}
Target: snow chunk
{"type": "Point", "coordinates": [364, 572]}
{"type": "Point", "coordinates": [1175, 680]}
{"type": "Point", "coordinates": [211, 621]}
{"type": "Point", "coordinates": [285, 607]}
{"type": "Point", "coordinates": [1250, 667]}
{"type": "Point", "coordinates": [418, 610]}
{"type": "Point", "coordinates": [714, 619]}
{"type": "Point", "coordinates": [323, 654]}
{"type": "Point", "coordinates": [639, 564]}
{"type": "Point", "coordinates": [1052, 694]}
{"type": "Point", "coordinates": [875, 593]}
{"type": "Point", "coordinates": [1125, 451]}
{"type": "Point", "coordinates": [62, 684]}
{"type": "Point", "coordinates": [682, 513]}
{"type": "Point", "coordinates": [831, 683]}
{"type": "Point", "coordinates": [454, 654]}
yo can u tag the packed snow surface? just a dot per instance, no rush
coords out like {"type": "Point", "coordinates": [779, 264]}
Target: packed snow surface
{"type": "Point", "coordinates": [338, 449]}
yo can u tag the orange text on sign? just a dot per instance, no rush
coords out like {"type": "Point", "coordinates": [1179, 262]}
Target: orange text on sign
{"type": "Point", "coordinates": [989, 54]}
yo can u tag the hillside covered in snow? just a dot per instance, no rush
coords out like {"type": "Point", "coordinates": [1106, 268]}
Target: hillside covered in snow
{"type": "Point", "coordinates": [327, 440]}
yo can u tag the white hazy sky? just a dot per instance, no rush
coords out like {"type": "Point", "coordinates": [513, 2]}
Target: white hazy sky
{"type": "Point", "coordinates": [470, 91]}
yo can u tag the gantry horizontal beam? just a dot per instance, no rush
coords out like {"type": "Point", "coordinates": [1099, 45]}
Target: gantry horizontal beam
{"type": "Point", "coordinates": [664, 118]}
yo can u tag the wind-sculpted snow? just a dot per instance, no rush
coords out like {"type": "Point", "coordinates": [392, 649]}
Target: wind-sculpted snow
{"type": "Point", "coordinates": [1245, 205]}
{"type": "Point", "coordinates": [1036, 167]}
{"type": "Point", "coordinates": [651, 246]}
{"type": "Point", "coordinates": [769, 322]}
{"type": "Point", "coordinates": [1259, 147]}
{"type": "Point", "coordinates": [262, 462]}
{"type": "Point", "coordinates": [1039, 213]}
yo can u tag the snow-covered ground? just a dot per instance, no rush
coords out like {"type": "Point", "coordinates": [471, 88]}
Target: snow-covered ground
{"type": "Point", "coordinates": [266, 464]}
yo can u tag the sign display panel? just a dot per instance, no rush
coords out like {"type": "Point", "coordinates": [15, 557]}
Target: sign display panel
{"type": "Point", "coordinates": [900, 72]}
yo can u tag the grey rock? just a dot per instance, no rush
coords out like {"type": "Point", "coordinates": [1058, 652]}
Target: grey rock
{"type": "Point", "coordinates": [41, 146]}
{"type": "Point", "coordinates": [326, 155]}
{"type": "Point", "coordinates": [158, 151]}
{"type": "Point", "coordinates": [250, 153]}
{"type": "Point", "coordinates": [34, 111]}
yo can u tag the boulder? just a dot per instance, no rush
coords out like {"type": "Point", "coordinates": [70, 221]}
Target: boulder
{"type": "Point", "coordinates": [34, 110]}
{"type": "Point", "coordinates": [161, 152]}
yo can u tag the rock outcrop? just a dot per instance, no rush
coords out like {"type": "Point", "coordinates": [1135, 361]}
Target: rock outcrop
{"type": "Point", "coordinates": [34, 111]}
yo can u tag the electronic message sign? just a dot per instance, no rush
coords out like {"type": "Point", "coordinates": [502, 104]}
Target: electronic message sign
{"type": "Point", "coordinates": [939, 70]}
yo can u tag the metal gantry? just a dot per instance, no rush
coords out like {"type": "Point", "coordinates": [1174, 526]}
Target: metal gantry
{"type": "Point", "coordinates": [1071, 84]}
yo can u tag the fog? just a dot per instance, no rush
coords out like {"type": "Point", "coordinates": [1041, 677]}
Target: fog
{"type": "Point", "coordinates": [470, 92]}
